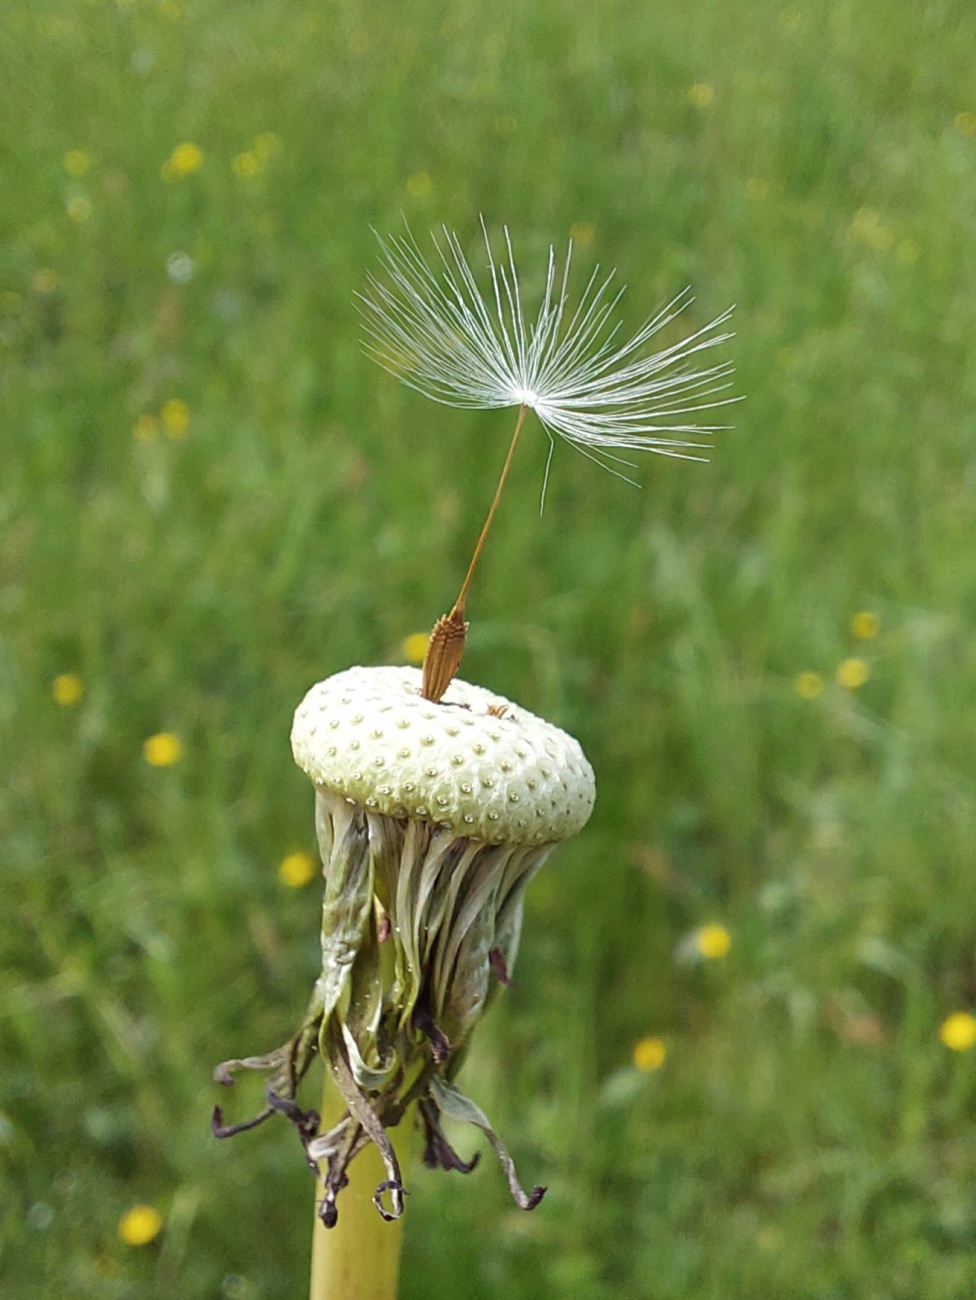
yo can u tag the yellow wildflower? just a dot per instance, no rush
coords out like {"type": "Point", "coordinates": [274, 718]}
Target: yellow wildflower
{"type": "Point", "coordinates": [649, 1054]}
{"type": "Point", "coordinates": [76, 162]}
{"type": "Point", "coordinates": [965, 123]}
{"type": "Point", "coordinates": [45, 280]}
{"type": "Point", "coordinates": [958, 1031]}
{"type": "Point", "coordinates": [701, 95]}
{"type": "Point", "coordinates": [757, 187]}
{"type": "Point", "coordinates": [175, 416]}
{"type": "Point", "coordinates": [582, 233]}
{"type": "Point", "coordinates": [183, 161]}
{"type": "Point", "coordinates": [79, 209]}
{"type": "Point", "coordinates": [247, 164]}
{"type": "Point", "coordinates": [713, 941]}
{"type": "Point", "coordinates": [163, 749]}
{"type": "Point", "coordinates": [852, 673]}
{"type": "Point", "coordinates": [808, 685]}
{"type": "Point", "coordinates": [297, 870]}
{"type": "Point", "coordinates": [67, 689]}
{"type": "Point", "coordinates": [415, 647]}
{"type": "Point", "coordinates": [419, 185]}
{"type": "Point", "coordinates": [266, 143]}
{"type": "Point", "coordinates": [146, 428]}
{"type": "Point", "coordinates": [869, 227]}
{"type": "Point", "coordinates": [140, 1225]}
{"type": "Point", "coordinates": [865, 625]}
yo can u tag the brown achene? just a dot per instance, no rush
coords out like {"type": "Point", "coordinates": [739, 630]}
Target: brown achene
{"type": "Point", "coordinates": [446, 645]}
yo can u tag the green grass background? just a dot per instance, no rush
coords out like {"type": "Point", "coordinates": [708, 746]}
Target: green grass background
{"type": "Point", "coordinates": [808, 1134]}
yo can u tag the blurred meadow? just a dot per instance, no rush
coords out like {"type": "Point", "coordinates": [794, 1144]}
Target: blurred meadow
{"type": "Point", "coordinates": [739, 1048]}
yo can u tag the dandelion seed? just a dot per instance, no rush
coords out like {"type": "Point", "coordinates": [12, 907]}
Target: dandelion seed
{"type": "Point", "coordinates": [649, 1054]}
{"type": "Point", "coordinates": [958, 1031]}
{"type": "Point", "coordinates": [162, 750]}
{"type": "Point", "coordinates": [140, 1225]}
{"type": "Point", "coordinates": [296, 870]}
{"type": "Point", "coordinates": [434, 329]}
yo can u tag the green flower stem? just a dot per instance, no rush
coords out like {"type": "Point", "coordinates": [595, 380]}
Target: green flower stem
{"type": "Point", "coordinates": [358, 1259]}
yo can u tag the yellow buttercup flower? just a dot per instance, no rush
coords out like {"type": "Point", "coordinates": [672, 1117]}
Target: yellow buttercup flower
{"type": "Point", "coordinates": [701, 95]}
{"type": "Point", "coordinates": [649, 1054]}
{"type": "Point", "coordinates": [266, 143]}
{"type": "Point", "coordinates": [297, 870]}
{"type": "Point", "coordinates": [45, 280]}
{"type": "Point", "coordinates": [247, 164]}
{"type": "Point", "coordinates": [79, 209]}
{"type": "Point", "coordinates": [869, 227]}
{"type": "Point", "coordinates": [185, 159]}
{"type": "Point", "coordinates": [140, 1225]}
{"type": "Point", "coordinates": [419, 185]}
{"type": "Point", "coordinates": [582, 233]}
{"type": "Point", "coordinates": [808, 685]}
{"type": "Point", "coordinates": [853, 673]}
{"type": "Point", "coordinates": [76, 162]}
{"type": "Point", "coordinates": [865, 625]}
{"type": "Point", "coordinates": [175, 416]}
{"type": "Point", "coordinates": [958, 1031]}
{"type": "Point", "coordinates": [146, 428]}
{"type": "Point", "coordinates": [162, 750]}
{"type": "Point", "coordinates": [713, 941]}
{"type": "Point", "coordinates": [415, 647]}
{"type": "Point", "coordinates": [67, 689]}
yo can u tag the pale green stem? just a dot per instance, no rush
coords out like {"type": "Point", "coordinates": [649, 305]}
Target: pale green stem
{"type": "Point", "coordinates": [358, 1259]}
